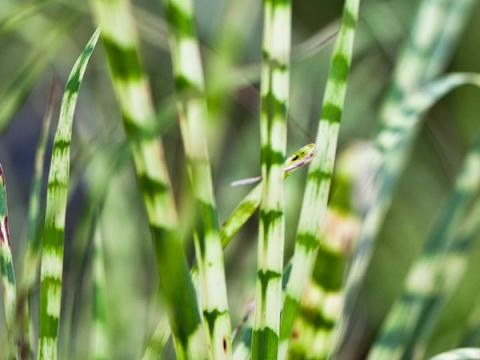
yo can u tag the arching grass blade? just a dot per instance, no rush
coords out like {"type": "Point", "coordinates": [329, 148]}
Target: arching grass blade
{"type": "Point", "coordinates": [57, 193]}
{"type": "Point", "coordinates": [424, 282]}
{"type": "Point", "coordinates": [396, 142]}
{"type": "Point", "coordinates": [431, 35]}
{"type": "Point", "coordinates": [322, 298]}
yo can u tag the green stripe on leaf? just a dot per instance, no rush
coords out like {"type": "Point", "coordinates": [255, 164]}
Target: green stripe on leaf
{"type": "Point", "coordinates": [124, 63]}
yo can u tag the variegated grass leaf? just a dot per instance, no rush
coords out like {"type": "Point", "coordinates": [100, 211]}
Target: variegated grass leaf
{"type": "Point", "coordinates": [425, 53]}
{"type": "Point", "coordinates": [395, 142]}
{"type": "Point", "coordinates": [57, 193]}
{"type": "Point", "coordinates": [244, 210]}
{"type": "Point", "coordinates": [31, 260]}
{"type": "Point", "coordinates": [193, 119]}
{"type": "Point", "coordinates": [133, 94]}
{"type": "Point", "coordinates": [308, 240]}
{"type": "Point", "coordinates": [313, 330]}
{"type": "Point", "coordinates": [274, 92]}
{"type": "Point", "coordinates": [458, 14]}
{"type": "Point", "coordinates": [426, 280]}
{"type": "Point", "coordinates": [455, 265]}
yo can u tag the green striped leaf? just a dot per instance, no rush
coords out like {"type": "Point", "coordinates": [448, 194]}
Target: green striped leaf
{"type": "Point", "coordinates": [323, 296]}
{"type": "Point", "coordinates": [57, 194]}
{"type": "Point", "coordinates": [454, 267]}
{"type": "Point", "coordinates": [315, 198]}
{"type": "Point", "coordinates": [134, 97]}
{"type": "Point", "coordinates": [424, 283]}
{"type": "Point", "coordinates": [274, 92]}
{"type": "Point", "coordinates": [396, 141]}
{"type": "Point", "coordinates": [36, 219]}
{"type": "Point", "coordinates": [244, 210]}
{"type": "Point", "coordinates": [193, 116]}
{"type": "Point", "coordinates": [416, 65]}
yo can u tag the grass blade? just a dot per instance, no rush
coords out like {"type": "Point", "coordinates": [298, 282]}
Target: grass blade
{"type": "Point", "coordinates": [458, 15]}
{"type": "Point", "coordinates": [250, 203]}
{"type": "Point", "coordinates": [449, 277]}
{"type": "Point", "coordinates": [6, 262]}
{"type": "Point", "coordinates": [242, 350]}
{"type": "Point", "coordinates": [312, 335]}
{"type": "Point", "coordinates": [415, 66]}
{"type": "Point", "coordinates": [274, 93]}
{"type": "Point", "coordinates": [36, 216]}
{"type": "Point", "coordinates": [423, 283]}
{"type": "Point", "coordinates": [396, 141]}
{"type": "Point", "coordinates": [133, 94]}
{"type": "Point", "coordinates": [232, 225]}
{"type": "Point", "coordinates": [459, 354]}
{"type": "Point", "coordinates": [57, 193]}
{"type": "Point", "coordinates": [193, 117]}
{"type": "Point", "coordinates": [100, 339]}
{"type": "Point", "coordinates": [308, 239]}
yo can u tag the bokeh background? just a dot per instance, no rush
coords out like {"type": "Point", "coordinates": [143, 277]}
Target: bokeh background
{"type": "Point", "coordinates": [40, 41]}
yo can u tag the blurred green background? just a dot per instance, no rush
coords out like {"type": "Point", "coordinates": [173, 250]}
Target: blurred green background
{"type": "Point", "coordinates": [40, 41]}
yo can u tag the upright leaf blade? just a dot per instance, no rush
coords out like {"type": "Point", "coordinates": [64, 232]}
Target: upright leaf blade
{"type": "Point", "coordinates": [274, 93]}
{"type": "Point", "coordinates": [57, 194]}
{"type": "Point", "coordinates": [133, 94]}
{"type": "Point", "coordinates": [193, 118]}
{"type": "Point", "coordinates": [36, 215]}
{"type": "Point", "coordinates": [314, 207]}
{"type": "Point", "coordinates": [99, 337]}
